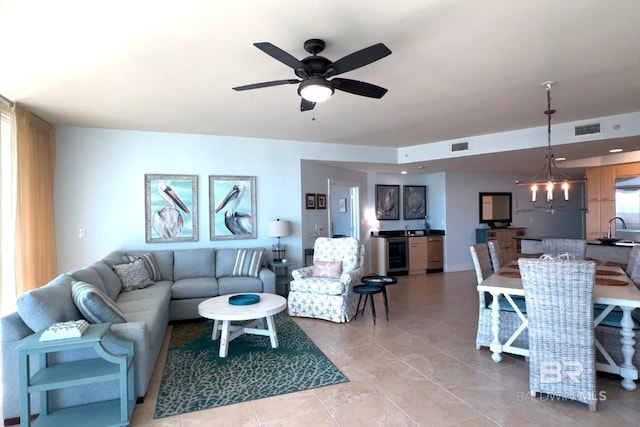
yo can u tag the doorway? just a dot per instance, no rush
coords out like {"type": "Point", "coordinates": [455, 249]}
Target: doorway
{"type": "Point", "coordinates": [344, 209]}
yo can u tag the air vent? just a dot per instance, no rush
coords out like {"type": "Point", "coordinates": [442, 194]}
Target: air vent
{"type": "Point", "coordinates": [587, 129]}
{"type": "Point", "coordinates": [460, 146]}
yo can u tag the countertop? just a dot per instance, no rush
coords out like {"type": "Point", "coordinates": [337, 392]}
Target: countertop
{"type": "Point", "coordinates": [622, 243]}
{"type": "Point", "coordinates": [408, 233]}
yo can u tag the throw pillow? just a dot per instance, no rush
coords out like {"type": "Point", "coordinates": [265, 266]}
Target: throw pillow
{"type": "Point", "coordinates": [133, 275]}
{"type": "Point", "coordinates": [248, 262]}
{"type": "Point", "coordinates": [328, 269]}
{"type": "Point", "coordinates": [149, 264]}
{"type": "Point", "coordinates": [95, 305]}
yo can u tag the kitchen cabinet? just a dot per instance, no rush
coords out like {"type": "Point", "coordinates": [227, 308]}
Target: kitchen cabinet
{"type": "Point", "coordinates": [601, 200]}
{"type": "Point", "coordinates": [435, 251]}
{"type": "Point", "coordinates": [418, 255]}
{"type": "Point", "coordinates": [506, 240]}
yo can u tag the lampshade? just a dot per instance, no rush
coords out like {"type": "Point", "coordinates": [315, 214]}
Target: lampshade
{"type": "Point", "coordinates": [278, 228]}
{"type": "Point", "coordinates": [315, 89]}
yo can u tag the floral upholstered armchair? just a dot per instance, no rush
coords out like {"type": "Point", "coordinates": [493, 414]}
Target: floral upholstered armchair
{"type": "Point", "coordinates": [325, 290]}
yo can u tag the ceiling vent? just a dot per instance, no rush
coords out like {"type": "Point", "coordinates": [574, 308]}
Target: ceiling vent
{"type": "Point", "coordinates": [460, 146]}
{"type": "Point", "coordinates": [588, 129]}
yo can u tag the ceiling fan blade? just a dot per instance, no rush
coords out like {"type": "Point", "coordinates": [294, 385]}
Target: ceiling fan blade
{"type": "Point", "coordinates": [306, 105]}
{"type": "Point", "coordinates": [267, 84]}
{"type": "Point", "coordinates": [357, 87]}
{"type": "Point", "coordinates": [280, 55]}
{"type": "Point", "coordinates": [358, 59]}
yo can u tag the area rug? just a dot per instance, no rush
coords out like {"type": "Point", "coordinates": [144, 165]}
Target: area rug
{"type": "Point", "coordinates": [196, 378]}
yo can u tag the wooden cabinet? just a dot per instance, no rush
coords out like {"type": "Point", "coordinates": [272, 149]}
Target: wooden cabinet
{"type": "Point", "coordinates": [435, 251]}
{"type": "Point", "coordinates": [506, 239]}
{"type": "Point", "coordinates": [601, 192]}
{"type": "Point", "coordinates": [418, 255]}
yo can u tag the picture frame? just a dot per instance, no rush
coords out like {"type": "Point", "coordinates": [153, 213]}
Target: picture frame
{"type": "Point", "coordinates": [321, 201]}
{"type": "Point", "coordinates": [232, 207]}
{"type": "Point", "coordinates": [414, 202]}
{"type": "Point", "coordinates": [387, 202]}
{"type": "Point", "coordinates": [342, 205]}
{"type": "Point", "coordinates": [171, 208]}
{"type": "Point", "coordinates": [310, 201]}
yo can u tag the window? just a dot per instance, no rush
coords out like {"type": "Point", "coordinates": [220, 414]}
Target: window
{"type": "Point", "coordinates": [7, 212]}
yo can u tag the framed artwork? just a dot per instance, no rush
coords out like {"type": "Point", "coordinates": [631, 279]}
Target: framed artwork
{"type": "Point", "coordinates": [415, 202]}
{"type": "Point", "coordinates": [232, 207]}
{"type": "Point", "coordinates": [310, 201]}
{"type": "Point", "coordinates": [342, 205]}
{"type": "Point", "coordinates": [321, 201]}
{"type": "Point", "coordinates": [171, 208]}
{"type": "Point", "coordinates": [387, 202]}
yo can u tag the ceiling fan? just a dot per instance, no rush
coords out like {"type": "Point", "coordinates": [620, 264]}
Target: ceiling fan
{"type": "Point", "coordinates": [315, 72]}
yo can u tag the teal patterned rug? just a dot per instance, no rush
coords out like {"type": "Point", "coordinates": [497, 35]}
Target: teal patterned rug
{"type": "Point", "coordinates": [195, 378]}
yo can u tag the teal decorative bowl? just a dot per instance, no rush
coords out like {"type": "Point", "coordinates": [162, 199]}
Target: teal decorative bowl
{"type": "Point", "coordinates": [244, 299]}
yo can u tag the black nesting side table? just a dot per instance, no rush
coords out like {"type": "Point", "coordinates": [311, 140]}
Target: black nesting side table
{"type": "Point", "coordinates": [373, 285]}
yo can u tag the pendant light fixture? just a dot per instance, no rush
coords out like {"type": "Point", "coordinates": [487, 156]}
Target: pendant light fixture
{"type": "Point", "coordinates": [549, 189]}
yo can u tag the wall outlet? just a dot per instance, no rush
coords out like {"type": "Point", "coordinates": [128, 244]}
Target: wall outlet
{"type": "Point", "coordinates": [82, 233]}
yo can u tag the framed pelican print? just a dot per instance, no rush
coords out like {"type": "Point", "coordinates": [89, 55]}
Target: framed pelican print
{"type": "Point", "coordinates": [232, 207]}
{"type": "Point", "coordinates": [171, 208]}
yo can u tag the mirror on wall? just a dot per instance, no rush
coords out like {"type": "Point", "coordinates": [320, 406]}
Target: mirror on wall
{"type": "Point", "coordinates": [495, 209]}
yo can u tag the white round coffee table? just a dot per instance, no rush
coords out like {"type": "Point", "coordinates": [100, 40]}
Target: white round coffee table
{"type": "Point", "coordinates": [223, 314]}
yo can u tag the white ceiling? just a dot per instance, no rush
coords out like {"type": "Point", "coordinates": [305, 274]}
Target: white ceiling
{"type": "Point", "coordinates": [459, 68]}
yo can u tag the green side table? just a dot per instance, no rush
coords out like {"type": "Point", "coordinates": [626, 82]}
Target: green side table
{"type": "Point", "coordinates": [282, 270]}
{"type": "Point", "coordinates": [49, 377]}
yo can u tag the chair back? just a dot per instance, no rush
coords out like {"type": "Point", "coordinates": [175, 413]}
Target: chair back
{"type": "Point", "coordinates": [345, 249]}
{"type": "Point", "coordinates": [481, 261]}
{"type": "Point", "coordinates": [634, 259]}
{"type": "Point", "coordinates": [559, 295]}
{"type": "Point", "coordinates": [494, 252]}
{"type": "Point", "coordinates": [576, 248]}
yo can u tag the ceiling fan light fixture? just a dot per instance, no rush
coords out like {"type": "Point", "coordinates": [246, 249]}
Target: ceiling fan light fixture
{"type": "Point", "coordinates": [315, 89]}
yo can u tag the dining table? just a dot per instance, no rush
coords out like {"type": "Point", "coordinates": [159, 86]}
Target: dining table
{"type": "Point", "coordinates": [613, 288]}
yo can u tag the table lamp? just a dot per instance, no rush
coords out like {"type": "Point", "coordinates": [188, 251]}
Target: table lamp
{"type": "Point", "coordinates": [278, 229]}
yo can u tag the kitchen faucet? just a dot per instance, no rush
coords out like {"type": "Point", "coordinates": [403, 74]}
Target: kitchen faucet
{"type": "Point", "coordinates": [406, 230]}
{"type": "Point", "coordinates": [624, 225]}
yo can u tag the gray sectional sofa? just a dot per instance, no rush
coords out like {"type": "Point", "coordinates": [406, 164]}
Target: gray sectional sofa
{"type": "Point", "coordinates": [181, 280]}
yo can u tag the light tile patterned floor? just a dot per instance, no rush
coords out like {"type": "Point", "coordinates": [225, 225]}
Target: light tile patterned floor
{"type": "Point", "coordinates": [420, 368]}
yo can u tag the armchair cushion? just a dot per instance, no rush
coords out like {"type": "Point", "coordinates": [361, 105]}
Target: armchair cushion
{"type": "Point", "coordinates": [330, 269]}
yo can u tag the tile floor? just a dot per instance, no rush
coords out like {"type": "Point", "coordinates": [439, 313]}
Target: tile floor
{"type": "Point", "coordinates": [419, 369]}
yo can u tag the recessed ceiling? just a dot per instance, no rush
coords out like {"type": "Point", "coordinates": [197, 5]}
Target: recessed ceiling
{"type": "Point", "coordinates": [459, 67]}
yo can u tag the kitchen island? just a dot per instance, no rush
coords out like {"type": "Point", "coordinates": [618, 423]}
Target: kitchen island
{"type": "Point", "coordinates": [597, 251]}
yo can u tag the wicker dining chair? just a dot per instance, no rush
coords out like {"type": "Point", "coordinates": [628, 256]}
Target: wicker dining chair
{"type": "Point", "coordinates": [634, 259]}
{"type": "Point", "coordinates": [494, 252]}
{"type": "Point", "coordinates": [562, 354]}
{"type": "Point", "coordinates": [576, 248]}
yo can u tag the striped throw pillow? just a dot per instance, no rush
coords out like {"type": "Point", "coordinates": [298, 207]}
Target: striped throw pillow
{"type": "Point", "coordinates": [95, 305]}
{"type": "Point", "coordinates": [248, 262]}
{"type": "Point", "coordinates": [149, 263]}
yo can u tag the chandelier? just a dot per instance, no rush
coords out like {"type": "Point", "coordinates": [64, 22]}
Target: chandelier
{"type": "Point", "coordinates": [549, 188]}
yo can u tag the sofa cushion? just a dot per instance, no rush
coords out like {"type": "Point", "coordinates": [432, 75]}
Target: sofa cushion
{"type": "Point", "coordinates": [149, 263]}
{"type": "Point", "coordinates": [40, 308]}
{"type": "Point", "coordinates": [110, 280]}
{"type": "Point", "coordinates": [133, 275]}
{"type": "Point", "coordinates": [225, 261]}
{"type": "Point", "coordinates": [248, 262]}
{"type": "Point", "coordinates": [195, 287]}
{"type": "Point", "coordinates": [89, 275]}
{"type": "Point", "coordinates": [232, 285]}
{"type": "Point", "coordinates": [95, 305]}
{"type": "Point", "coordinates": [330, 269]}
{"type": "Point", "coordinates": [188, 263]}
